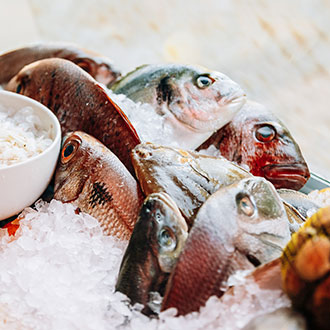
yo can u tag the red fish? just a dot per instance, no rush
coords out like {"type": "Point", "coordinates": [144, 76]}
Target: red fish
{"type": "Point", "coordinates": [99, 67]}
{"type": "Point", "coordinates": [79, 103]}
{"type": "Point", "coordinates": [258, 139]}
{"type": "Point", "coordinates": [238, 227]}
{"type": "Point", "coordinates": [93, 179]}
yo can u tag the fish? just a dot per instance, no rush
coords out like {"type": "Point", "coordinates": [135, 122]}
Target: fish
{"type": "Point", "coordinates": [240, 226]}
{"type": "Point", "coordinates": [79, 102]}
{"type": "Point", "coordinates": [305, 267]}
{"type": "Point", "coordinates": [94, 180]}
{"type": "Point", "coordinates": [99, 67]}
{"type": "Point", "coordinates": [256, 139]}
{"type": "Point", "coordinates": [190, 102]}
{"type": "Point", "coordinates": [156, 242]}
{"type": "Point", "coordinates": [304, 204]}
{"type": "Point", "coordinates": [188, 177]}
{"type": "Point", "coordinates": [283, 318]}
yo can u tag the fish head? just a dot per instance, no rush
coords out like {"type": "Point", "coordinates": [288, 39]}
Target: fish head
{"type": "Point", "coordinates": [258, 139]}
{"type": "Point", "coordinates": [168, 229]}
{"type": "Point", "coordinates": [200, 99]}
{"type": "Point", "coordinates": [77, 157]}
{"type": "Point", "coordinates": [238, 227]}
{"type": "Point", "coordinates": [264, 228]}
{"type": "Point", "coordinates": [156, 242]}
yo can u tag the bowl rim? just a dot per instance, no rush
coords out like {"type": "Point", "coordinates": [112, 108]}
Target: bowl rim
{"type": "Point", "coordinates": [55, 120]}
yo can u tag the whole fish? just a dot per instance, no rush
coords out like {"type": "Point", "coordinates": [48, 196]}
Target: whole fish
{"type": "Point", "coordinates": [239, 227]}
{"type": "Point", "coordinates": [99, 67]}
{"type": "Point", "coordinates": [188, 177]}
{"type": "Point", "coordinates": [93, 179]}
{"type": "Point", "coordinates": [257, 139]}
{"type": "Point", "coordinates": [306, 269]}
{"type": "Point", "coordinates": [156, 242]}
{"type": "Point", "coordinates": [79, 103]}
{"type": "Point", "coordinates": [190, 102]}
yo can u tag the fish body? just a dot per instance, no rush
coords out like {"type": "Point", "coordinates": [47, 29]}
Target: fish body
{"type": "Point", "coordinates": [257, 139]}
{"type": "Point", "coordinates": [94, 180]}
{"type": "Point", "coordinates": [157, 240]}
{"type": "Point", "coordinates": [190, 102]}
{"type": "Point", "coordinates": [99, 67]}
{"type": "Point", "coordinates": [306, 269]}
{"type": "Point", "coordinates": [239, 227]}
{"type": "Point", "coordinates": [79, 103]}
{"type": "Point", "coordinates": [188, 177]}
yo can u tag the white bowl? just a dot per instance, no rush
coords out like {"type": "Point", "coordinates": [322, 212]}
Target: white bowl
{"type": "Point", "coordinates": [23, 183]}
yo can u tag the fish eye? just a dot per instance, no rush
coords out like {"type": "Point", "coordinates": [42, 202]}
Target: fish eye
{"type": "Point", "coordinates": [69, 150]}
{"type": "Point", "coordinates": [245, 205]}
{"type": "Point", "coordinates": [166, 239]}
{"type": "Point", "coordinates": [265, 133]}
{"type": "Point", "coordinates": [204, 81]}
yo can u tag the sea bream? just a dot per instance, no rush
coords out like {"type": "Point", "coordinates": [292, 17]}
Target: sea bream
{"type": "Point", "coordinates": [239, 227]}
{"type": "Point", "coordinates": [99, 67]}
{"type": "Point", "coordinates": [154, 247]}
{"type": "Point", "coordinates": [188, 177]}
{"type": "Point", "coordinates": [94, 180]}
{"type": "Point", "coordinates": [190, 102]}
{"type": "Point", "coordinates": [255, 138]}
{"type": "Point", "coordinates": [79, 102]}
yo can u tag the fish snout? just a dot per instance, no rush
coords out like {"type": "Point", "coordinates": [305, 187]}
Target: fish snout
{"type": "Point", "coordinates": [291, 176]}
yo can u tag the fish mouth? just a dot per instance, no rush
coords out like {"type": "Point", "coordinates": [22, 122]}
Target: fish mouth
{"type": "Point", "coordinates": [291, 176]}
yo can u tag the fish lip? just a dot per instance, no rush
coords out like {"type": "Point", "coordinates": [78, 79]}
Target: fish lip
{"type": "Point", "coordinates": [291, 176]}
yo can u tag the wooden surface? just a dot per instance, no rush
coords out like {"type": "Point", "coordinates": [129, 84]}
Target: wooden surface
{"type": "Point", "coordinates": [278, 51]}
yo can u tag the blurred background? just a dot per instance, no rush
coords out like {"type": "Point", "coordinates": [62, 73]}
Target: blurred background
{"type": "Point", "coordinates": [278, 51]}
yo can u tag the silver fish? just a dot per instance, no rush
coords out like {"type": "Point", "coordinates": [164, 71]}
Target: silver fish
{"type": "Point", "coordinates": [188, 177]}
{"type": "Point", "coordinates": [240, 226]}
{"type": "Point", "coordinates": [192, 102]}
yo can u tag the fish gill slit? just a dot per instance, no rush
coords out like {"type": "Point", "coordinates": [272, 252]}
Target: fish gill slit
{"type": "Point", "coordinates": [164, 91]}
{"type": "Point", "coordinates": [99, 195]}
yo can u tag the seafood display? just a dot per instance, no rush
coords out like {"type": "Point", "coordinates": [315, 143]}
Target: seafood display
{"type": "Point", "coordinates": [257, 139]}
{"type": "Point", "coordinates": [99, 67]}
{"type": "Point", "coordinates": [94, 180]}
{"type": "Point", "coordinates": [157, 240]}
{"type": "Point", "coordinates": [79, 103]}
{"type": "Point", "coordinates": [188, 177]}
{"type": "Point", "coordinates": [306, 269]}
{"type": "Point", "coordinates": [215, 197]}
{"type": "Point", "coordinates": [191, 102]}
{"type": "Point", "coordinates": [239, 227]}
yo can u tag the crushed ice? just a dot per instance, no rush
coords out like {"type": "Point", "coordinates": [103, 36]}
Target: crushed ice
{"type": "Point", "coordinates": [59, 272]}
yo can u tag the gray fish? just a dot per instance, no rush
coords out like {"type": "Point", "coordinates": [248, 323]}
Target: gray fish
{"type": "Point", "coordinates": [193, 102]}
{"type": "Point", "coordinates": [239, 227]}
{"type": "Point", "coordinates": [188, 177]}
{"type": "Point", "coordinates": [156, 242]}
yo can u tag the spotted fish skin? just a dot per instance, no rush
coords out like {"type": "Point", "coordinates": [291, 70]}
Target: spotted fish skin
{"type": "Point", "coordinates": [79, 103]}
{"type": "Point", "coordinates": [99, 67]}
{"type": "Point", "coordinates": [93, 179]}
